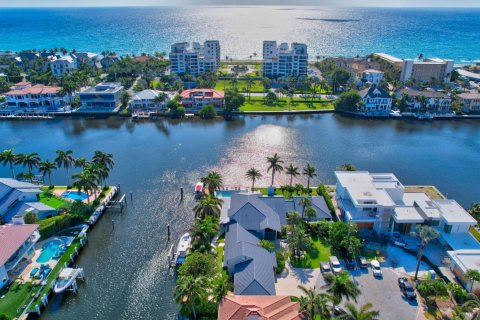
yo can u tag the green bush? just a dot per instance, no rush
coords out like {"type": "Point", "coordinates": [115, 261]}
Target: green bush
{"type": "Point", "coordinates": [180, 112]}
{"type": "Point", "coordinates": [280, 254]}
{"type": "Point", "coordinates": [323, 192]}
{"type": "Point", "coordinates": [320, 228]}
{"type": "Point", "coordinates": [433, 288]}
{"type": "Point", "coordinates": [268, 245]}
{"type": "Point", "coordinates": [207, 112]}
{"type": "Point", "coordinates": [48, 227]}
{"type": "Point", "coordinates": [30, 218]}
{"type": "Point", "coordinates": [105, 188]}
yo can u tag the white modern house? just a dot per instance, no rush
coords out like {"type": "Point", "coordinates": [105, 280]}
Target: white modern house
{"type": "Point", "coordinates": [284, 60]}
{"type": "Point", "coordinates": [372, 76]}
{"type": "Point", "coordinates": [38, 98]}
{"type": "Point", "coordinates": [376, 102]}
{"type": "Point", "coordinates": [195, 59]}
{"type": "Point", "coordinates": [148, 100]}
{"type": "Point", "coordinates": [63, 65]}
{"type": "Point", "coordinates": [18, 243]}
{"type": "Point", "coordinates": [104, 97]}
{"type": "Point", "coordinates": [463, 260]}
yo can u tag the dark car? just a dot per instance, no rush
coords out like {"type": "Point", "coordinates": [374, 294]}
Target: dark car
{"type": "Point", "coordinates": [351, 263]}
{"type": "Point", "coordinates": [407, 288]}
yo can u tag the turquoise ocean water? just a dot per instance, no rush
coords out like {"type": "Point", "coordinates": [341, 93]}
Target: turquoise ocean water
{"type": "Point", "coordinates": [448, 33]}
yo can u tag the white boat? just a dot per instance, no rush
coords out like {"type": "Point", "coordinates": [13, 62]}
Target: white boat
{"type": "Point", "coordinates": [395, 113]}
{"type": "Point", "coordinates": [199, 187]}
{"type": "Point", "coordinates": [184, 245]}
{"type": "Point", "coordinates": [65, 279]}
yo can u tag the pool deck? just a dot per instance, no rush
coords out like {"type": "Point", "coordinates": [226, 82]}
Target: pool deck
{"type": "Point", "coordinates": [59, 193]}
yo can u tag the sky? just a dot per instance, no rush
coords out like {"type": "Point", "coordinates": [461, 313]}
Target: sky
{"type": "Point", "coordinates": [354, 3]}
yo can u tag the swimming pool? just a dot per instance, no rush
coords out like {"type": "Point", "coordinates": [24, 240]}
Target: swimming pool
{"type": "Point", "coordinates": [75, 195]}
{"type": "Point", "coordinates": [226, 193]}
{"type": "Point", "coordinates": [48, 250]}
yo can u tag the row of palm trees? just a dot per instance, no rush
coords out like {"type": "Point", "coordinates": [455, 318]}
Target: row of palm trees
{"type": "Point", "coordinates": [101, 164]}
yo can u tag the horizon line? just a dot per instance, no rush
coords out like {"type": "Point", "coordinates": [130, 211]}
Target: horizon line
{"type": "Point", "coordinates": [236, 6]}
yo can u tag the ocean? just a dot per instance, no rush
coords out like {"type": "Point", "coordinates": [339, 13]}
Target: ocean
{"type": "Point", "coordinates": [328, 31]}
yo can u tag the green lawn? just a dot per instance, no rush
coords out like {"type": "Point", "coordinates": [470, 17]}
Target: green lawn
{"type": "Point", "coordinates": [53, 201]}
{"type": "Point", "coordinates": [220, 250]}
{"type": "Point", "coordinates": [257, 104]}
{"type": "Point", "coordinates": [475, 233]}
{"type": "Point", "coordinates": [16, 296]}
{"type": "Point", "coordinates": [319, 251]}
{"type": "Point", "coordinates": [242, 85]}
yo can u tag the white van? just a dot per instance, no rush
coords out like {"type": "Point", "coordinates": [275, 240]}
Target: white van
{"type": "Point", "coordinates": [335, 264]}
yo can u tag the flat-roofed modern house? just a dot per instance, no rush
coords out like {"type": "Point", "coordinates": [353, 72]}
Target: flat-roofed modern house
{"type": "Point", "coordinates": [195, 99]}
{"type": "Point", "coordinates": [17, 198]}
{"type": "Point", "coordinates": [104, 97]}
{"type": "Point", "coordinates": [428, 101]}
{"type": "Point", "coordinates": [463, 260]}
{"type": "Point", "coordinates": [471, 101]}
{"type": "Point", "coordinates": [17, 243]}
{"type": "Point", "coordinates": [63, 65]}
{"type": "Point", "coordinates": [196, 59]}
{"type": "Point", "coordinates": [376, 102]}
{"type": "Point", "coordinates": [38, 98]}
{"type": "Point", "coordinates": [284, 60]}
{"type": "Point", "coordinates": [259, 308]}
{"type": "Point", "coordinates": [151, 100]}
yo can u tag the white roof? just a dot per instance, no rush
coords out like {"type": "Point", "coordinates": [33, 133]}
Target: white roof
{"type": "Point", "coordinates": [408, 215]}
{"type": "Point", "coordinates": [466, 259]}
{"type": "Point", "coordinates": [453, 212]}
{"type": "Point", "coordinates": [373, 71]}
{"type": "Point", "coordinates": [420, 199]}
{"type": "Point", "coordinates": [67, 273]}
{"type": "Point", "coordinates": [389, 57]}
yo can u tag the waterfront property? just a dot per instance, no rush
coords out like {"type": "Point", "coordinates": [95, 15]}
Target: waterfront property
{"type": "Point", "coordinates": [104, 97]}
{"type": "Point", "coordinates": [376, 102]}
{"type": "Point", "coordinates": [432, 102]}
{"type": "Point", "coordinates": [17, 242]}
{"type": "Point", "coordinates": [195, 60]}
{"type": "Point", "coordinates": [372, 76]}
{"type": "Point", "coordinates": [151, 100]}
{"type": "Point", "coordinates": [471, 101]}
{"type": "Point", "coordinates": [259, 308]}
{"type": "Point", "coordinates": [462, 261]}
{"type": "Point", "coordinates": [63, 65]}
{"type": "Point", "coordinates": [37, 98]}
{"type": "Point", "coordinates": [195, 99]}
{"type": "Point", "coordinates": [17, 198]}
{"type": "Point", "coordinates": [284, 60]}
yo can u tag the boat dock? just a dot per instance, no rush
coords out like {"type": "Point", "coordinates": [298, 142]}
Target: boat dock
{"type": "Point", "coordinates": [26, 116]}
{"type": "Point", "coordinates": [67, 280]}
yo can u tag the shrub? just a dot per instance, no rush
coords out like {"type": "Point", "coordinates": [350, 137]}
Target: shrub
{"type": "Point", "coordinates": [320, 228]}
{"type": "Point", "coordinates": [283, 232]}
{"type": "Point", "coordinates": [80, 208]}
{"type": "Point", "coordinates": [105, 188]}
{"type": "Point", "coordinates": [198, 264]}
{"type": "Point", "coordinates": [51, 187]}
{"type": "Point", "coordinates": [207, 112]}
{"type": "Point", "coordinates": [30, 218]}
{"type": "Point", "coordinates": [433, 289]}
{"type": "Point", "coordinates": [280, 255]}
{"type": "Point", "coordinates": [48, 227]}
{"type": "Point", "coordinates": [323, 192]}
{"type": "Point", "coordinates": [269, 245]}
{"type": "Point", "coordinates": [180, 112]}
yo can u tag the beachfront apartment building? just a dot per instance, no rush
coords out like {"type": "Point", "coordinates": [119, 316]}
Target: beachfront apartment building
{"type": "Point", "coordinates": [425, 101]}
{"type": "Point", "coordinates": [104, 97]}
{"type": "Point", "coordinates": [195, 99]}
{"type": "Point", "coordinates": [151, 100]}
{"type": "Point", "coordinates": [471, 101]}
{"type": "Point", "coordinates": [63, 65]}
{"type": "Point", "coordinates": [376, 102]}
{"type": "Point", "coordinates": [195, 59]}
{"type": "Point", "coordinates": [38, 98]}
{"type": "Point", "coordinates": [372, 76]}
{"type": "Point", "coordinates": [284, 60]}
{"type": "Point", "coordinates": [18, 242]}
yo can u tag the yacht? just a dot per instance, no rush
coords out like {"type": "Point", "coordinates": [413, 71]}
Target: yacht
{"type": "Point", "coordinates": [183, 247]}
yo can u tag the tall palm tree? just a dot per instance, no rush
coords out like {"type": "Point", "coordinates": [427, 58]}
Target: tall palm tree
{"type": "Point", "coordinates": [426, 234]}
{"type": "Point", "coordinates": [190, 292]}
{"type": "Point", "coordinates": [364, 313]}
{"type": "Point", "coordinates": [105, 158]}
{"type": "Point", "coordinates": [85, 181]}
{"type": "Point", "coordinates": [80, 163]}
{"type": "Point", "coordinates": [46, 167]}
{"type": "Point", "coordinates": [29, 160]}
{"type": "Point", "coordinates": [274, 165]}
{"type": "Point", "coordinates": [341, 286]}
{"type": "Point", "coordinates": [307, 302]}
{"type": "Point", "coordinates": [309, 171]}
{"type": "Point", "coordinates": [253, 174]}
{"type": "Point", "coordinates": [65, 159]}
{"type": "Point", "coordinates": [292, 172]}
{"type": "Point", "coordinates": [9, 157]}
{"type": "Point", "coordinates": [208, 207]}
{"type": "Point", "coordinates": [304, 203]}
{"type": "Point", "coordinates": [298, 240]}
{"type": "Point", "coordinates": [221, 286]}
{"type": "Point", "coordinates": [213, 181]}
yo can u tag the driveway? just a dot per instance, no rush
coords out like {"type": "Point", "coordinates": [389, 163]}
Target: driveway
{"type": "Point", "coordinates": [288, 282]}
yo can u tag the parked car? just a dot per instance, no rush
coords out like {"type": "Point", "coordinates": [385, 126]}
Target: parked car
{"type": "Point", "coordinates": [325, 267]}
{"type": "Point", "coordinates": [407, 288]}
{"type": "Point", "coordinates": [339, 311]}
{"type": "Point", "coordinates": [351, 263]}
{"type": "Point", "coordinates": [363, 262]}
{"type": "Point", "coordinates": [377, 271]}
{"type": "Point", "coordinates": [335, 264]}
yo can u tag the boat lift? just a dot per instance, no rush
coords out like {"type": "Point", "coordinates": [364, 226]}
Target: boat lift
{"type": "Point", "coordinates": [67, 280]}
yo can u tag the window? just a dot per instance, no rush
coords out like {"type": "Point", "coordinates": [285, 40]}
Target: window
{"type": "Point", "coordinates": [447, 228]}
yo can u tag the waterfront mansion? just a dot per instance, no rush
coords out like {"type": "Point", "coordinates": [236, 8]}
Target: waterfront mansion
{"type": "Point", "coordinates": [38, 98]}
{"type": "Point", "coordinates": [193, 100]}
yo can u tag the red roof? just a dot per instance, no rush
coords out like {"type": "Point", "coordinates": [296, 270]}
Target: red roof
{"type": "Point", "coordinates": [36, 89]}
{"type": "Point", "coordinates": [265, 307]}
{"type": "Point", "coordinates": [12, 236]}
{"type": "Point", "coordinates": [22, 83]}
{"type": "Point", "coordinates": [203, 93]}
{"type": "Point", "coordinates": [141, 58]}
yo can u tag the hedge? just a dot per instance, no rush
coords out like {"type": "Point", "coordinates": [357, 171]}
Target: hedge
{"type": "Point", "coordinates": [48, 227]}
{"type": "Point", "coordinates": [323, 191]}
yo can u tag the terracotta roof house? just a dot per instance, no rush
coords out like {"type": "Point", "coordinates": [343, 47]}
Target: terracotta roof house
{"type": "Point", "coordinates": [259, 308]}
{"type": "Point", "coordinates": [194, 99]}
{"type": "Point", "coordinates": [24, 95]}
{"type": "Point", "coordinates": [17, 242]}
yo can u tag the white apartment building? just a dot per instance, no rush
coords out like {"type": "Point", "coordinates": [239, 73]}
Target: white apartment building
{"type": "Point", "coordinates": [103, 97]}
{"type": "Point", "coordinates": [195, 60]}
{"type": "Point", "coordinates": [284, 60]}
{"type": "Point", "coordinates": [63, 65]}
{"type": "Point", "coordinates": [427, 70]}
{"type": "Point", "coordinates": [372, 76]}
{"type": "Point", "coordinates": [38, 98]}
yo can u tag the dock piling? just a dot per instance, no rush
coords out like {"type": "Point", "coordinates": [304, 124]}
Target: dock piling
{"type": "Point", "coordinates": [131, 197]}
{"type": "Point", "coordinates": [168, 232]}
{"type": "Point", "coordinates": [181, 193]}
{"type": "Point", "coordinates": [113, 224]}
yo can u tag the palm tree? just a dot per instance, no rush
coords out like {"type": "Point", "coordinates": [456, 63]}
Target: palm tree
{"type": "Point", "coordinates": [364, 313]}
{"type": "Point", "coordinates": [190, 292]}
{"type": "Point", "coordinates": [473, 275]}
{"type": "Point", "coordinates": [65, 159]}
{"type": "Point", "coordinates": [213, 181]}
{"type": "Point", "coordinates": [341, 286]}
{"type": "Point", "coordinates": [9, 157]}
{"type": "Point", "coordinates": [347, 167]}
{"type": "Point", "coordinates": [426, 234]}
{"type": "Point", "coordinates": [309, 171]}
{"type": "Point", "coordinates": [305, 202]}
{"type": "Point", "coordinates": [253, 174]}
{"type": "Point", "coordinates": [80, 163]}
{"type": "Point", "coordinates": [85, 181]}
{"type": "Point", "coordinates": [292, 172]}
{"type": "Point", "coordinates": [307, 302]}
{"type": "Point", "coordinates": [208, 207]}
{"type": "Point", "coordinates": [275, 165]}
{"type": "Point", "coordinates": [298, 240]}
{"type": "Point", "coordinates": [46, 167]}
{"type": "Point", "coordinates": [221, 286]}
{"type": "Point", "coordinates": [29, 160]}
{"type": "Point", "coordinates": [310, 213]}
{"type": "Point", "coordinates": [105, 158]}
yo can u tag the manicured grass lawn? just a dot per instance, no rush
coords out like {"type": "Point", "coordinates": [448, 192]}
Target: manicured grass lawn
{"type": "Point", "coordinates": [15, 297]}
{"type": "Point", "coordinates": [278, 192]}
{"type": "Point", "coordinates": [52, 201]}
{"type": "Point", "coordinates": [319, 251]}
{"type": "Point", "coordinates": [432, 192]}
{"type": "Point", "coordinates": [282, 105]}
{"type": "Point", "coordinates": [475, 233]}
{"type": "Point", "coordinates": [220, 250]}
{"type": "Point", "coordinates": [242, 85]}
